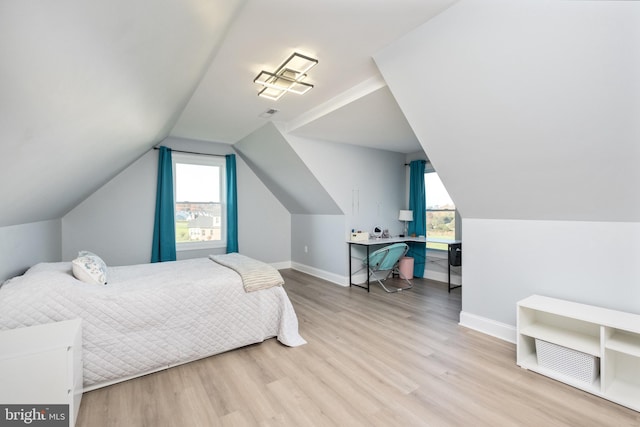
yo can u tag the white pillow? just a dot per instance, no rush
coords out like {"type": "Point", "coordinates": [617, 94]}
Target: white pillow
{"type": "Point", "coordinates": [89, 268]}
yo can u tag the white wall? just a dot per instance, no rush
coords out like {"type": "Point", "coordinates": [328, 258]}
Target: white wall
{"type": "Point", "coordinates": [24, 245]}
{"type": "Point", "coordinates": [116, 222]}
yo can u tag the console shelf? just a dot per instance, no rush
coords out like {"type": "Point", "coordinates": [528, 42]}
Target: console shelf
{"type": "Point", "coordinates": [608, 339]}
{"type": "Point", "coordinates": [567, 338]}
{"type": "Point", "coordinates": [624, 342]}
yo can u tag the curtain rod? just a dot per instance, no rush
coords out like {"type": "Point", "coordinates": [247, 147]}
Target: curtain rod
{"type": "Point", "coordinates": [191, 152]}
{"type": "Point", "coordinates": [409, 164]}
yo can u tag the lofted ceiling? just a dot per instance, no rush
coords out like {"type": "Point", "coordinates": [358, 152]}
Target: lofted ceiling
{"type": "Point", "coordinates": [536, 125]}
{"type": "Point", "coordinates": [349, 102]}
{"type": "Point", "coordinates": [88, 87]}
{"type": "Point", "coordinates": [373, 121]}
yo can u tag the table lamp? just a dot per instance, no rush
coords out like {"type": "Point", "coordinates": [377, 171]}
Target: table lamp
{"type": "Point", "coordinates": [405, 216]}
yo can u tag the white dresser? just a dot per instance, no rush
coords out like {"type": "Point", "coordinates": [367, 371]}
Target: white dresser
{"type": "Point", "coordinates": [42, 365]}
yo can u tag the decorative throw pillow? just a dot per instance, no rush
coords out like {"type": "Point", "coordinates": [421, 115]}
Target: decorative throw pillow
{"type": "Point", "coordinates": [90, 268]}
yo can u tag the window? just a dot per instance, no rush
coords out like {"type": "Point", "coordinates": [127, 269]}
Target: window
{"type": "Point", "coordinates": [441, 212]}
{"type": "Point", "coordinates": [200, 210]}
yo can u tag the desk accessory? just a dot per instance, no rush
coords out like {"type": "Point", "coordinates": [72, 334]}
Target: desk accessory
{"type": "Point", "coordinates": [406, 216]}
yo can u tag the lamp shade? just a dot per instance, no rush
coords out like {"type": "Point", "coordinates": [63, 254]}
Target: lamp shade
{"type": "Point", "coordinates": [405, 216]}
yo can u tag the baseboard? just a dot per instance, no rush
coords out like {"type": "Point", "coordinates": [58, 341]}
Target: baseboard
{"type": "Point", "coordinates": [487, 326]}
{"type": "Point", "coordinates": [322, 274]}
{"type": "Point", "coordinates": [359, 277]}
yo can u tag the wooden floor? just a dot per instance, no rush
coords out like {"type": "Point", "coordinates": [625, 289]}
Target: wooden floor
{"type": "Point", "coordinates": [372, 359]}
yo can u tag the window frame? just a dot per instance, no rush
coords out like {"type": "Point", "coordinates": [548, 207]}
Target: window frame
{"type": "Point", "coordinates": [435, 246]}
{"type": "Point", "coordinates": [203, 160]}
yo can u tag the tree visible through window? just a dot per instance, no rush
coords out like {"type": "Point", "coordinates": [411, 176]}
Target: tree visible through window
{"type": "Point", "coordinates": [441, 211]}
{"type": "Point", "coordinates": [199, 201]}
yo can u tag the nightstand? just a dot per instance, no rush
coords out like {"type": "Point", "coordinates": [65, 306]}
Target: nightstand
{"type": "Point", "coordinates": [42, 365]}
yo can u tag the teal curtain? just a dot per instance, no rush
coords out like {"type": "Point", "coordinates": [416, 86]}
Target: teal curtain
{"type": "Point", "coordinates": [418, 204]}
{"type": "Point", "coordinates": [164, 228]}
{"type": "Point", "coordinates": [232, 204]}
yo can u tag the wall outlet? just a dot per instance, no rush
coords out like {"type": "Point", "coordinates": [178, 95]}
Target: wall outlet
{"type": "Point", "coordinates": [306, 249]}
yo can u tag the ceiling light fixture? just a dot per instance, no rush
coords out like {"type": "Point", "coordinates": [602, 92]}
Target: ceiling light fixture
{"type": "Point", "coordinates": [287, 78]}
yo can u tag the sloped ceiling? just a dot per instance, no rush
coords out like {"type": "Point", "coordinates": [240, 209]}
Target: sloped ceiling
{"type": "Point", "coordinates": [528, 109]}
{"type": "Point", "coordinates": [279, 167]}
{"type": "Point", "coordinates": [87, 87]}
{"type": "Point", "coordinates": [342, 35]}
{"type": "Point", "coordinates": [377, 110]}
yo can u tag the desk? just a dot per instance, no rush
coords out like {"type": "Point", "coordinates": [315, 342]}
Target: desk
{"type": "Point", "coordinates": [454, 253]}
{"type": "Point", "coordinates": [378, 242]}
{"type": "Point", "coordinates": [451, 245]}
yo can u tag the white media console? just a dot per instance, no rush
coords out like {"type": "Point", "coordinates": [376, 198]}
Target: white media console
{"type": "Point", "coordinates": [609, 338]}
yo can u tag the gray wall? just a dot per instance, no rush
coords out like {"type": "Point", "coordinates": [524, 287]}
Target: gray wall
{"type": "Point", "coordinates": [116, 222]}
{"type": "Point", "coordinates": [368, 186]}
{"type": "Point", "coordinates": [318, 246]}
{"type": "Point", "coordinates": [532, 126]}
{"type": "Point", "coordinates": [24, 245]}
{"type": "Point", "coordinates": [265, 224]}
{"type": "Point", "coordinates": [318, 181]}
{"type": "Point", "coordinates": [589, 262]}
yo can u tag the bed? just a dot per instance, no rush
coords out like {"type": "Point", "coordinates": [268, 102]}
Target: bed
{"type": "Point", "coordinates": [150, 317]}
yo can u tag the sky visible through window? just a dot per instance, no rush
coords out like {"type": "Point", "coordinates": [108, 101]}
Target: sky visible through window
{"type": "Point", "coordinates": [436, 195]}
{"type": "Point", "coordinates": [197, 183]}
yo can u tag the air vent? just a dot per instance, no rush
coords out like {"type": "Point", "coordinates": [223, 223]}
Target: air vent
{"type": "Point", "coordinates": [269, 113]}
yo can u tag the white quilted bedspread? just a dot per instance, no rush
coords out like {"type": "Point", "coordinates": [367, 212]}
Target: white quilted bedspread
{"type": "Point", "coordinates": [150, 316]}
